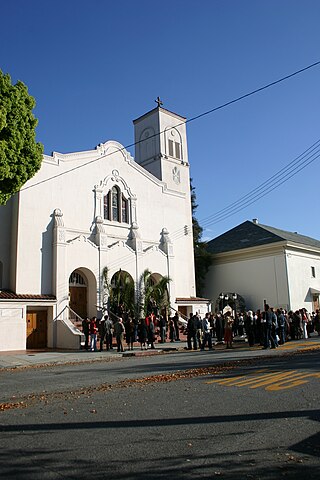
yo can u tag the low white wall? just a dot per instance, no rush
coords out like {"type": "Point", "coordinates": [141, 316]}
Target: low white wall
{"type": "Point", "coordinates": [68, 336]}
{"type": "Point", "coordinates": [12, 327]}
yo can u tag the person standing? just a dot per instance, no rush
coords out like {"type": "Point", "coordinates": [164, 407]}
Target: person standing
{"type": "Point", "coordinates": [281, 326]}
{"type": "Point", "coordinates": [142, 333]}
{"type": "Point", "coordinates": [228, 335]}
{"type": "Point", "coordinates": [85, 330]}
{"type": "Point", "coordinates": [119, 331]}
{"type": "Point", "coordinates": [267, 324]}
{"type": "Point", "coordinates": [151, 332]}
{"type": "Point", "coordinates": [192, 332]}
{"type": "Point", "coordinates": [219, 327]}
{"type": "Point", "coordinates": [130, 328]}
{"type": "Point", "coordinates": [206, 333]}
{"type": "Point", "coordinates": [304, 322]}
{"type": "Point", "coordinates": [102, 332]}
{"type": "Point", "coordinates": [109, 331]}
{"type": "Point", "coordinates": [93, 334]}
{"type": "Point", "coordinates": [172, 330]}
{"type": "Point", "coordinates": [176, 326]}
{"type": "Point", "coordinates": [163, 329]}
{"type": "Point", "coordinates": [316, 322]}
{"type": "Point", "coordinates": [198, 323]}
{"type": "Point", "coordinates": [249, 327]}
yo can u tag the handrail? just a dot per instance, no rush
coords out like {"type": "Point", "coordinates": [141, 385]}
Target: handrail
{"type": "Point", "coordinates": [116, 316]}
{"type": "Point", "coordinates": [181, 314]}
{"type": "Point", "coordinates": [74, 313]}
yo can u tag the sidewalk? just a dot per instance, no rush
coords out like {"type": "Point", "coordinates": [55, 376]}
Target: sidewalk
{"type": "Point", "coordinates": [32, 358]}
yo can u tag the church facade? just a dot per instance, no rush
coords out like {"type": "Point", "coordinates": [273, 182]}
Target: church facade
{"type": "Point", "coordinates": [255, 264]}
{"type": "Point", "coordinates": [87, 212]}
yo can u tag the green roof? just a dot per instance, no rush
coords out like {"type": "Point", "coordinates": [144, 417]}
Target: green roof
{"type": "Point", "coordinates": [251, 234]}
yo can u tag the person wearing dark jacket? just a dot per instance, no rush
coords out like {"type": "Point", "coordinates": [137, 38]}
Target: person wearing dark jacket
{"type": "Point", "coordinates": [85, 330]}
{"type": "Point", "coordinates": [151, 332]}
{"type": "Point", "coordinates": [249, 327]}
{"type": "Point", "coordinates": [267, 323]}
{"type": "Point", "coordinates": [192, 332]}
{"type": "Point", "coordinates": [119, 331]}
{"type": "Point", "coordinates": [142, 333]}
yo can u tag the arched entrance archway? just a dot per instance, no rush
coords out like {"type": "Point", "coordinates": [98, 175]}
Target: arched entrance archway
{"type": "Point", "coordinates": [231, 302]}
{"type": "Point", "coordinates": [122, 295]}
{"type": "Point", "coordinates": [156, 294]}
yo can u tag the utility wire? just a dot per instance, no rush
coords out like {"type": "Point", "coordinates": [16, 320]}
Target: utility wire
{"type": "Point", "coordinates": [244, 202]}
{"type": "Point", "coordinates": [279, 178]}
{"type": "Point", "coordinates": [265, 193]}
{"type": "Point", "coordinates": [240, 205]}
{"type": "Point", "coordinates": [192, 119]}
{"type": "Point", "coordinates": [271, 181]}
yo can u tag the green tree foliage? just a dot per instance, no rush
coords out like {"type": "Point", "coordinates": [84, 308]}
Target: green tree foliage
{"type": "Point", "coordinates": [153, 295]}
{"type": "Point", "coordinates": [202, 258]}
{"type": "Point", "coordinates": [120, 292]}
{"type": "Point", "coordinates": [20, 155]}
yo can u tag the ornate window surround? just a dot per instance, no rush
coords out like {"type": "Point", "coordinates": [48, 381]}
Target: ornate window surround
{"type": "Point", "coordinates": [104, 188]}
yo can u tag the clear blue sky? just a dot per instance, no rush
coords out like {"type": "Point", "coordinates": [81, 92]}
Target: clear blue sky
{"type": "Point", "coordinates": [95, 65]}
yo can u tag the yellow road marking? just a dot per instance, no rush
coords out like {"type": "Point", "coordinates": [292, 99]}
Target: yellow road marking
{"type": "Point", "coordinates": [231, 379]}
{"type": "Point", "coordinates": [293, 382]}
{"type": "Point", "coordinates": [272, 381]}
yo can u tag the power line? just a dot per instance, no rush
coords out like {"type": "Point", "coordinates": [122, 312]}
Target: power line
{"type": "Point", "coordinates": [311, 154]}
{"type": "Point", "coordinates": [192, 119]}
{"type": "Point", "coordinates": [282, 174]}
{"type": "Point", "coordinates": [265, 193]}
{"type": "Point", "coordinates": [292, 168]}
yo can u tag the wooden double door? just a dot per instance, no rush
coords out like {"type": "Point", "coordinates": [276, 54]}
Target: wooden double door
{"type": "Point", "coordinates": [36, 329]}
{"type": "Point", "coordinates": [78, 300]}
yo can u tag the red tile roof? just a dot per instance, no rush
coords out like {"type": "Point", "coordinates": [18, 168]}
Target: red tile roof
{"type": "Point", "coordinates": [8, 295]}
{"type": "Point", "coordinates": [192, 299]}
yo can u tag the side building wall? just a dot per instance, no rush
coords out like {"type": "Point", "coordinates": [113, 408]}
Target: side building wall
{"type": "Point", "coordinates": [12, 327]}
{"type": "Point", "coordinates": [255, 279]}
{"type": "Point", "coordinates": [301, 267]}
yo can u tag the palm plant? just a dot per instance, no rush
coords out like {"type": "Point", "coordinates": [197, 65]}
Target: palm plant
{"type": "Point", "coordinates": [153, 295]}
{"type": "Point", "coordinates": [120, 291]}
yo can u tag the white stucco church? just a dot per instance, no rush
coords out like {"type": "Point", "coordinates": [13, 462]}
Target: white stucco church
{"type": "Point", "coordinates": [88, 210]}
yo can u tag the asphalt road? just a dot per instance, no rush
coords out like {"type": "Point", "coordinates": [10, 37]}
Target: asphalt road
{"type": "Point", "coordinates": [179, 416]}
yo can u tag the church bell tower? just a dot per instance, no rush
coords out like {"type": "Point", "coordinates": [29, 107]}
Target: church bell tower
{"type": "Point", "coordinates": [161, 146]}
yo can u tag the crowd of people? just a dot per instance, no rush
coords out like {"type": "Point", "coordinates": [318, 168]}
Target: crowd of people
{"type": "Point", "coordinates": [146, 331]}
{"type": "Point", "coordinates": [268, 328]}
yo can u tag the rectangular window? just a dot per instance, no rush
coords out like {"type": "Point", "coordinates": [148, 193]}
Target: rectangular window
{"type": "Point", "coordinates": [106, 215]}
{"type": "Point", "coordinates": [313, 272]}
{"type": "Point", "coordinates": [115, 206]}
{"type": "Point", "coordinates": [171, 148]}
{"type": "Point", "coordinates": [178, 153]}
{"type": "Point", "coordinates": [124, 210]}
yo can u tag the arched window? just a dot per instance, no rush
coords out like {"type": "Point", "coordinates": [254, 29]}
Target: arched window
{"type": "Point", "coordinates": [76, 279]}
{"type": "Point", "coordinates": [174, 144]}
{"type": "Point", "coordinates": [115, 197]}
{"type": "Point", "coordinates": [124, 210]}
{"type": "Point", "coordinates": [115, 206]}
{"type": "Point", "coordinates": [106, 207]}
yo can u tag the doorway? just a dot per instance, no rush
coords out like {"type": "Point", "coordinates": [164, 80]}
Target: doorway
{"type": "Point", "coordinates": [36, 329]}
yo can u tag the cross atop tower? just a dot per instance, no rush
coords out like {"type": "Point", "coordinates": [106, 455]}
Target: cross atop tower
{"type": "Point", "coordinates": [159, 102]}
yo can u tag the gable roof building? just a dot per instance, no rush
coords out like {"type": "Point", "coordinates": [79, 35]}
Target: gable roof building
{"type": "Point", "coordinates": [263, 264]}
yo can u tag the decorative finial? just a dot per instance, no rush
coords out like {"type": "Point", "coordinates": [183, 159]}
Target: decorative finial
{"type": "Point", "coordinates": [159, 102]}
